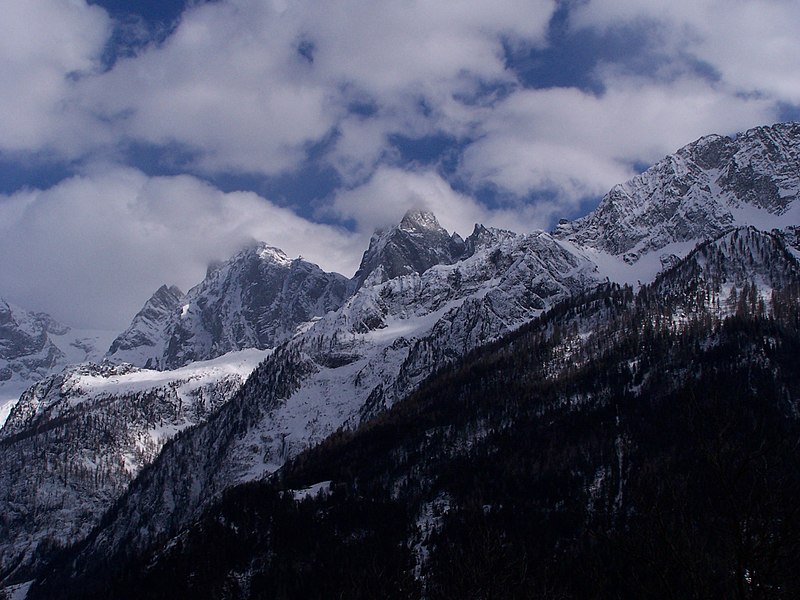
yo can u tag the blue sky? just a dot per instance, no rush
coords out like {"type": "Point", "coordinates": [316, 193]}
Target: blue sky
{"type": "Point", "coordinates": [140, 140]}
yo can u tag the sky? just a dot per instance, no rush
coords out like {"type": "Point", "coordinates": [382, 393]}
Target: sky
{"type": "Point", "coordinates": [141, 140]}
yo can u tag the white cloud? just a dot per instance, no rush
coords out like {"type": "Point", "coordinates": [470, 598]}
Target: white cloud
{"type": "Point", "coordinates": [752, 44]}
{"type": "Point", "coordinates": [92, 249]}
{"type": "Point", "coordinates": [43, 45]}
{"type": "Point", "coordinates": [383, 200]}
{"type": "Point", "coordinates": [405, 47]}
{"type": "Point", "coordinates": [228, 84]}
{"type": "Point", "coordinates": [576, 144]}
{"type": "Point", "coordinates": [412, 59]}
{"type": "Point", "coordinates": [231, 85]}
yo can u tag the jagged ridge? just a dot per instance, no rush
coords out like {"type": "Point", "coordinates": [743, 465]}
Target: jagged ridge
{"type": "Point", "coordinates": [704, 189]}
{"type": "Point", "coordinates": [446, 297]}
{"type": "Point", "coordinates": [257, 299]}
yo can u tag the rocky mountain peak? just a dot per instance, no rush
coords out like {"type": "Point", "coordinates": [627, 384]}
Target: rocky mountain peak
{"type": "Point", "coordinates": [257, 299]}
{"type": "Point", "coordinates": [272, 255]}
{"type": "Point", "coordinates": [706, 188]}
{"type": "Point", "coordinates": [710, 152]}
{"type": "Point", "coordinates": [419, 220]}
{"type": "Point", "coordinates": [416, 244]}
{"type": "Point", "coordinates": [143, 340]}
{"type": "Point", "coordinates": [33, 323]}
{"type": "Point", "coordinates": [253, 254]}
{"type": "Point", "coordinates": [22, 332]}
{"type": "Point", "coordinates": [34, 345]}
{"type": "Point", "coordinates": [166, 297]}
{"type": "Point", "coordinates": [483, 237]}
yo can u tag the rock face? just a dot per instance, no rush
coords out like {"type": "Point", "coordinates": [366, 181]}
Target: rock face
{"type": "Point", "coordinates": [75, 440]}
{"type": "Point", "coordinates": [414, 246]}
{"type": "Point", "coordinates": [346, 350]}
{"type": "Point", "coordinates": [704, 189]}
{"type": "Point", "coordinates": [34, 345]}
{"type": "Point", "coordinates": [25, 346]}
{"type": "Point", "coordinates": [145, 338]}
{"type": "Point", "coordinates": [257, 299]}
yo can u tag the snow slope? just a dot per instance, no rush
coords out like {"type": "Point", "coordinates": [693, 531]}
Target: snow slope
{"type": "Point", "coordinates": [75, 440]}
{"type": "Point", "coordinates": [708, 187]}
{"type": "Point", "coordinates": [34, 345]}
{"type": "Point", "coordinates": [347, 350]}
{"type": "Point", "coordinates": [257, 299]}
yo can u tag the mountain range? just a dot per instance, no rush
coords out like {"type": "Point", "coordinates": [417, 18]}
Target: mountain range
{"type": "Point", "coordinates": [274, 393]}
{"type": "Point", "coordinates": [34, 345]}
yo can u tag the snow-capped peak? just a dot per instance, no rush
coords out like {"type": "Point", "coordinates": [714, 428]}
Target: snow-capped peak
{"type": "Point", "coordinates": [706, 188]}
{"type": "Point", "coordinates": [145, 337]}
{"type": "Point", "coordinates": [415, 245]}
{"type": "Point", "coordinates": [34, 345]}
{"type": "Point", "coordinates": [416, 220]}
{"type": "Point", "coordinates": [275, 255]}
{"type": "Point", "coordinates": [256, 299]}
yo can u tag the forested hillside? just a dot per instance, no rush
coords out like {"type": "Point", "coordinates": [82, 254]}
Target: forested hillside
{"type": "Point", "coordinates": [622, 445]}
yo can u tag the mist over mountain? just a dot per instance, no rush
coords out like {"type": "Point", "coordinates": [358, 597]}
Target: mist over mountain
{"type": "Point", "coordinates": [34, 345]}
{"type": "Point", "coordinates": [477, 415]}
{"type": "Point", "coordinates": [702, 190]}
{"type": "Point", "coordinates": [256, 299]}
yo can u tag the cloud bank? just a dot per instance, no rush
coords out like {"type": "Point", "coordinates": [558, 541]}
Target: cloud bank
{"type": "Point", "coordinates": [263, 89]}
{"type": "Point", "coordinates": [93, 248]}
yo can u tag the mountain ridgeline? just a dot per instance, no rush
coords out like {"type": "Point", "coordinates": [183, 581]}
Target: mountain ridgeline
{"type": "Point", "coordinates": [702, 190]}
{"type": "Point", "coordinates": [255, 300]}
{"type": "Point", "coordinates": [497, 416]}
{"type": "Point", "coordinates": [620, 445]}
{"type": "Point", "coordinates": [259, 298]}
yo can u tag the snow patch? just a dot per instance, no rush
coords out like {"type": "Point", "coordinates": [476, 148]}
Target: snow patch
{"type": "Point", "coordinates": [316, 490]}
{"type": "Point", "coordinates": [18, 591]}
{"type": "Point", "coordinates": [429, 521]}
{"type": "Point", "coordinates": [6, 406]}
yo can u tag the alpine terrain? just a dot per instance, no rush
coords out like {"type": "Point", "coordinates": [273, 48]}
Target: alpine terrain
{"type": "Point", "coordinates": [33, 345]}
{"type": "Point", "coordinates": [611, 409]}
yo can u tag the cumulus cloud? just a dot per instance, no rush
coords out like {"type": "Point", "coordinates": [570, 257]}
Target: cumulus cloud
{"type": "Point", "coordinates": [45, 46]}
{"type": "Point", "coordinates": [247, 85]}
{"type": "Point", "coordinates": [715, 67]}
{"type": "Point", "coordinates": [751, 44]}
{"type": "Point", "coordinates": [92, 249]}
{"type": "Point", "coordinates": [250, 86]}
{"type": "Point", "coordinates": [228, 85]}
{"type": "Point", "coordinates": [573, 144]}
{"type": "Point", "coordinates": [383, 200]}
